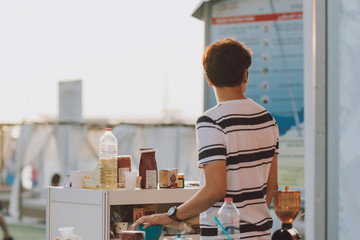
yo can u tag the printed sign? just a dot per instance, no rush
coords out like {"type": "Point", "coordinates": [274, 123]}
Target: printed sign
{"type": "Point", "coordinates": [273, 29]}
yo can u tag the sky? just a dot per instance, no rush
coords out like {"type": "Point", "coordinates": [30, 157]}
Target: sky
{"type": "Point", "coordinates": [138, 60]}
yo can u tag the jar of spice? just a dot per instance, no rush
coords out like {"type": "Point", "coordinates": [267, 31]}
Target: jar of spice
{"type": "Point", "coordinates": [180, 180]}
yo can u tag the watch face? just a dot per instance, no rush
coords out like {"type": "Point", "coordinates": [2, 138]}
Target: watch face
{"type": "Point", "coordinates": [171, 211]}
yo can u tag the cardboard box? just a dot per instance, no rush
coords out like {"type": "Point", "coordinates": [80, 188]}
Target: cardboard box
{"type": "Point", "coordinates": [168, 178]}
{"type": "Point", "coordinates": [150, 209]}
{"type": "Point", "coordinates": [138, 213]}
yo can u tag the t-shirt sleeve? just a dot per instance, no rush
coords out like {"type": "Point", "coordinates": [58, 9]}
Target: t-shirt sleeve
{"type": "Point", "coordinates": [210, 141]}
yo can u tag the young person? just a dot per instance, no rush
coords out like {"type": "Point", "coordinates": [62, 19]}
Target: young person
{"type": "Point", "coordinates": [237, 146]}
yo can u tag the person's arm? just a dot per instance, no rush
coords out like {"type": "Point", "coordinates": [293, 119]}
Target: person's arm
{"type": "Point", "coordinates": [272, 183]}
{"type": "Point", "coordinates": [208, 195]}
{"type": "Point", "coordinates": [213, 191]}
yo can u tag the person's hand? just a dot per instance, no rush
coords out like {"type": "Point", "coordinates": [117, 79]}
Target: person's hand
{"type": "Point", "coordinates": [155, 219]}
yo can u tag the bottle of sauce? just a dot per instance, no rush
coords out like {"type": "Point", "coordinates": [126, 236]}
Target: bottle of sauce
{"type": "Point", "coordinates": [148, 168]}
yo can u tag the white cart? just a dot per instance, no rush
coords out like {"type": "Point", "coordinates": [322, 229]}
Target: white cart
{"type": "Point", "coordinates": [89, 210]}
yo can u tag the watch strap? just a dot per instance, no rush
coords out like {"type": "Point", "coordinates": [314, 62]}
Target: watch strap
{"type": "Point", "coordinates": [173, 215]}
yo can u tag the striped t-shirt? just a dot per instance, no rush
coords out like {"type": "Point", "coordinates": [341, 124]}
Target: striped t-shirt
{"type": "Point", "coordinates": [246, 136]}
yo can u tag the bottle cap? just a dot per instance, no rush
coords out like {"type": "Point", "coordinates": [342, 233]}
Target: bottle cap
{"type": "Point", "coordinates": [229, 199]}
{"type": "Point", "coordinates": [108, 129]}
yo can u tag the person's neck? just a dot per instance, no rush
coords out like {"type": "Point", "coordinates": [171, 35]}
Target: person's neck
{"type": "Point", "coordinates": [229, 93]}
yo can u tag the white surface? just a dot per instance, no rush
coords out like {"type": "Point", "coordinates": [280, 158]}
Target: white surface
{"type": "Point", "coordinates": [344, 129]}
{"type": "Point", "coordinates": [153, 196]}
{"type": "Point", "coordinates": [81, 208]}
{"type": "Point", "coordinates": [88, 210]}
{"type": "Point", "coordinates": [349, 118]}
{"type": "Point", "coordinates": [87, 219]}
{"type": "Point", "coordinates": [311, 118]}
{"type": "Point", "coordinates": [333, 134]}
{"type": "Point", "coordinates": [77, 176]}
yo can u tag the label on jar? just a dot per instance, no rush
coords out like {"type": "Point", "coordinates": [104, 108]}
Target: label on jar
{"type": "Point", "coordinates": [150, 179]}
{"type": "Point", "coordinates": [180, 182]}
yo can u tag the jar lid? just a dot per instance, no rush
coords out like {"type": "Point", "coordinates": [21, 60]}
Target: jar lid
{"type": "Point", "coordinates": [180, 175]}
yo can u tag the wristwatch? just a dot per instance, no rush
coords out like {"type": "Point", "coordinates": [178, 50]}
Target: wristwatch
{"type": "Point", "coordinates": [172, 214]}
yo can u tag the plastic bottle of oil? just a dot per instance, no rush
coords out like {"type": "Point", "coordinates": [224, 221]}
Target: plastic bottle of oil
{"type": "Point", "coordinates": [108, 161]}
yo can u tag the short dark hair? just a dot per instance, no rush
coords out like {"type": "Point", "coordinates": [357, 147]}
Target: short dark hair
{"type": "Point", "coordinates": [225, 62]}
{"type": "Point", "coordinates": [55, 179]}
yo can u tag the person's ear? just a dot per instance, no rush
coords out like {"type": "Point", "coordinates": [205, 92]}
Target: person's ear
{"type": "Point", "coordinates": [245, 77]}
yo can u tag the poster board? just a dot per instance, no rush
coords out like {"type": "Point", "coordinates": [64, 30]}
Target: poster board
{"type": "Point", "coordinates": [273, 29]}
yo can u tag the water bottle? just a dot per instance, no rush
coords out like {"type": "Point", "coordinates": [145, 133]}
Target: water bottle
{"type": "Point", "coordinates": [229, 217]}
{"type": "Point", "coordinates": [108, 161]}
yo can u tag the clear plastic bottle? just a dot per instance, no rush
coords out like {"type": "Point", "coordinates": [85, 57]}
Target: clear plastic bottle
{"type": "Point", "coordinates": [229, 217]}
{"type": "Point", "coordinates": [108, 161]}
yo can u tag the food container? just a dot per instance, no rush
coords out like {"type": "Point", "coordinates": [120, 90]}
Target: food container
{"type": "Point", "coordinates": [138, 213]}
{"type": "Point", "coordinates": [180, 180]}
{"type": "Point", "coordinates": [123, 165]}
{"type": "Point", "coordinates": [168, 178]}
{"type": "Point", "coordinates": [132, 235]}
{"type": "Point", "coordinates": [148, 168]}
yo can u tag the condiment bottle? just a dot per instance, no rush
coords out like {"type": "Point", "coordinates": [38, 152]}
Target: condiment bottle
{"type": "Point", "coordinates": [148, 168]}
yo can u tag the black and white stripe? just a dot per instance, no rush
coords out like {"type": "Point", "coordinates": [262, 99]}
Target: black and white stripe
{"type": "Point", "coordinates": [245, 135]}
